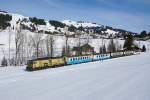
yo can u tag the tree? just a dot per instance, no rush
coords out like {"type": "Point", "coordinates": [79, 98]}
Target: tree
{"type": "Point", "coordinates": [128, 44]}
{"type": "Point", "coordinates": [19, 42]}
{"type": "Point", "coordinates": [66, 45]}
{"type": "Point", "coordinates": [4, 21]}
{"type": "Point", "coordinates": [37, 39]}
{"type": "Point", "coordinates": [4, 62]}
{"type": "Point", "coordinates": [79, 45]}
{"type": "Point", "coordinates": [37, 21]}
{"type": "Point", "coordinates": [57, 23]}
{"type": "Point", "coordinates": [72, 28]}
{"type": "Point", "coordinates": [102, 49]}
{"type": "Point", "coordinates": [80, 28]}
{"type": "Point", "coordinates": [143, 34]}
{"type": "Point", "coordinates": [63, 51]}
{"type": "Point", "coordinates": [111, 46]}
{"type": "Point", "coordinates": [49, 45]}
{"type": "Point", "coordinates": [118, 48]}
{"type": "Point", "coordinates": [52, 46]}
{"type": "Point", "coordinates": [143, 48]}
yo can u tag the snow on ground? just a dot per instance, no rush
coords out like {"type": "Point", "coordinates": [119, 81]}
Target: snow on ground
{"type": "Point", "coordinates": [125, 78]}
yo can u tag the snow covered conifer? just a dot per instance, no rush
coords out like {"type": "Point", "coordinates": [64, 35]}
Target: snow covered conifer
{"type": "Point", "coordinates": [128, 44]}
{"type": "Point", "coordinates": [4, 62]}
{"type": "Point", "coordinates": [143, 48]}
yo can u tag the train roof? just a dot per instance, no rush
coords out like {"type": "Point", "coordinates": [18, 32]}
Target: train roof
{"type": "Point", "coordinates": [44, 58]}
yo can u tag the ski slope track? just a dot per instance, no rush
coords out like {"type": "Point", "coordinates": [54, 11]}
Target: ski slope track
{"type": "Point", "coordinates": [125, 78]}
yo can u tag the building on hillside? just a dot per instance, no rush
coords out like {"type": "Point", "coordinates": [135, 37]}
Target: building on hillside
{"type": "Point", "coordinates": [82, 50]}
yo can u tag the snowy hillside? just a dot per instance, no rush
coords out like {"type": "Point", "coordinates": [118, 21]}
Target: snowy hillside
{"type": "Point", "coordinates": [79, 23]}
{"type": "Point", "coordinates": [125, 78]}
{"type": "Point", "coordinates": [35, 24]}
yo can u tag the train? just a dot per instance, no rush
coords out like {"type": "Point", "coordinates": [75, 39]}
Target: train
{"type": "Point", "coordinates": [53, 62]}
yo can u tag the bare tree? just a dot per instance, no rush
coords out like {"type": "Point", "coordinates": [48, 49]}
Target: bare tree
{"type": "Point", "coordinates": [79, 43]}
{"type": "Point", "coordinates": [19, 40]}
{"type": "Point", "coordinates": [9, 41]}
{"type": "Point", "coordinates": [4, 55]}
{"type": "Point", "coordinates": [63, 51]}
{"type": "Point", "coordinates": [117, 45]}
{"type": "Point", "coordinates": [36, 40]}
{"type": "Point", "coordinates": [30, 48]}
{"type": "Point", "coordinates": [66, 50]}
{"type": "Point", "coordinates": [111, 46]}
{"type": "Point", "coordinates": [66, 42]}
{"type": "Point", "coordinates": [102, 49]}
{"type": "Point", "coordinates": [79, 46]}
{"type": "Point", "coordinates": [50, 45]}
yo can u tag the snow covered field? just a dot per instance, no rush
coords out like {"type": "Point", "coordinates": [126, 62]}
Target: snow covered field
{"type": "Point", "coordinates": [125, 78]}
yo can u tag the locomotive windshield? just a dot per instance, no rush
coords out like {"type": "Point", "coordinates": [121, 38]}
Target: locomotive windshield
{"type": "Point", "coordinates": [30, 63]}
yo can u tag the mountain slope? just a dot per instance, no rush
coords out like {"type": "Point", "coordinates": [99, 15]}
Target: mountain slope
{"type": "Point", "coordinates": [34, 24]}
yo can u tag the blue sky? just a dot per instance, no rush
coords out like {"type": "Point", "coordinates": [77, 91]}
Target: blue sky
{"type": "Point", "coordinates": [132, 15]}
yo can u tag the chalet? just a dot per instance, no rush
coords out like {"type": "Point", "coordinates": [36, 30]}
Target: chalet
{"type": "Point", "coordinates": [82, 50]}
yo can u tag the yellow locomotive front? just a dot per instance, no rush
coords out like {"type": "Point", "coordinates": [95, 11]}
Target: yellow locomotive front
{"type": "Point", "coordinates": [39, 63]}
{"type": "Point", "coordinates": [47, 62]}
